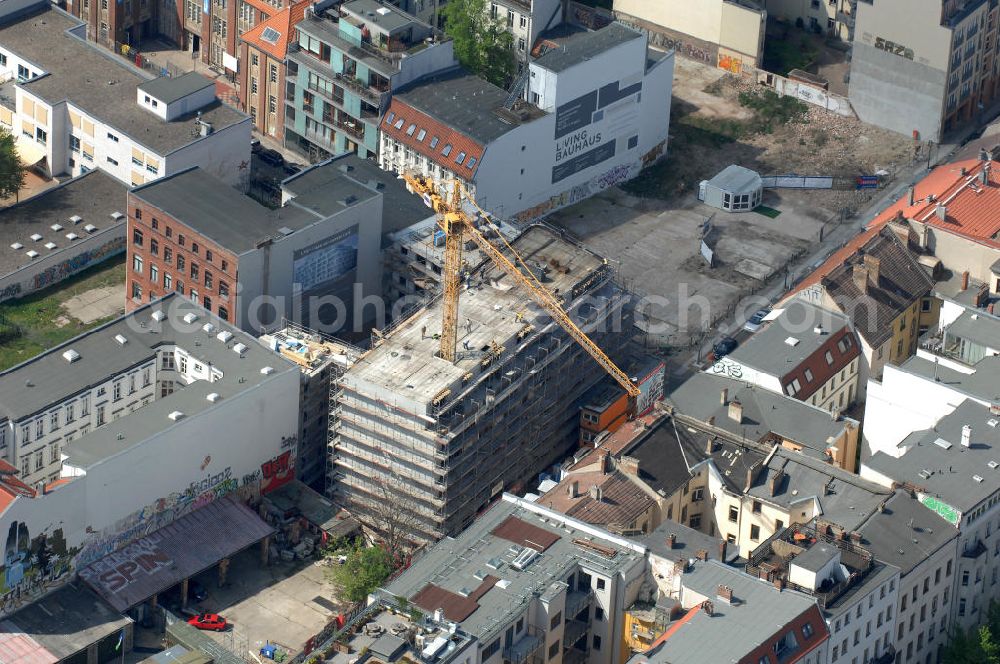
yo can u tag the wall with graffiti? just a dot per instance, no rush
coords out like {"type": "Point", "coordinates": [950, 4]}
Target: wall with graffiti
{"type": "Point", "coordinates": [246, 449]}
{"type": "Point", "coordinates": [53, 268]}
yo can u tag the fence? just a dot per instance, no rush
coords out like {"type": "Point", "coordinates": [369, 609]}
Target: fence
{"type": "Point", "coordinates": [792, 181]}
{"type": "Point", "coordinates": [804, 92]}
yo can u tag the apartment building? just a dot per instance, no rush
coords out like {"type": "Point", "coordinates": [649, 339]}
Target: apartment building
{"type": "Point", "coordinates": [597, 112]}
{"type": "Point", "coordinates": [428, 435]}
{"type": "Point", "coordinates": [803, 351]}
{"type": "Point", "coordinates": [526, 20]}
{"type": "Point", "coordinates": [73, 108]}
{"type": "Point", "coordinates": [263, 50]}
{"type": "Point", "coordinates": [923, 546]}
{"type": "Point", "coordinates": [528, 585]}
{"type": "Point", "coordinates": [191, 234]}
{"type": "Point", "coordinates": [833, 18]}
{"type": "Point", "coordinates": [929, 75]}
{"type": "Point", "coordinates": [348, 61]}
{"type": "Point", "coordinates": [132, 425]}
{"type": "Point", "coordinates": [122, 22]}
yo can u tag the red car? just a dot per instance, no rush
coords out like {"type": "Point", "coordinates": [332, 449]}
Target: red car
{"type": "Point", "coordinates": [208, 621]}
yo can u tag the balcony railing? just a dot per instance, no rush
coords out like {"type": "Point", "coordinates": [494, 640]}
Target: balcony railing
{"type": "Point", "coordinates": [525, 647]}
{"type": "Point", "coordinates": [375, 97]}
{"type": "Point", "coordinates": [576, 600]}
{"type": "Point", "coordinates": [355, 129]}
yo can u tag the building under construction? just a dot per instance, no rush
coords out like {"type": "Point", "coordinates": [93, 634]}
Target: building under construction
{"type": "Point", "coordinates": [436, 441]}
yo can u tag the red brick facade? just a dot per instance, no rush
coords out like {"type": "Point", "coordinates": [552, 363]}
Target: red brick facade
{"type": "Point", "coordinates": [167, 255]}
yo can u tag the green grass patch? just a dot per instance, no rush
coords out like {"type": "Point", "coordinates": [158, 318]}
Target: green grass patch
{"type": "Point", "coordinates": [768, 212]}
{"type": "Point", "coordinates": [28, 325]}
{"type": "Point", "coordinates": [771, 110]}
{"type": "Point", "coordinates": [783, 55]}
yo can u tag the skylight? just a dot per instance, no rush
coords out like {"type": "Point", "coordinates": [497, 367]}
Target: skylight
{"type": "Point", "coordinates": [421, 134]}
{"type": "Point", "coordinates": [447, 150]}
{"type": "Point", "coordinates": [270, 35]}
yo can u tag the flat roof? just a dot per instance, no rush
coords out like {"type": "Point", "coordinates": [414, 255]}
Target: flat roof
{"type": "Point", "coordinates": [687, 543]}
{"type": "Point", "coordinates": [905, 533]}
{"type": "Point", "coordinates": [189, 545]}
{"type": "Point", "coordinates": [579, 47]}
{"type": "Point", "coordinates": [82, 619]}
{"type": "Point", "coordinates": [99, 82]}
{"type": "Point", "coordinates": [816, 557]}
{"type": "Point", "coordinates": [92, 196]}
{"type": "Point", "coordinates": [169, 89]}
{"type": "Point", "coordinates": [219, 212]}
{"type": "Point", "coordinates": [482, 556]}
{"type": "Point", "coordinates": [977, 326]}
{"type": "Point", "coordinates": [379, 14]}
{"type": "Point", "coordinates": [48, 378]}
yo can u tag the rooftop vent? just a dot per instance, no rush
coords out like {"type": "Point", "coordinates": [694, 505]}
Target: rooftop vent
{"type": "Point", "coordinates": [190, 317]}
{"type": "Point", "coordinates": [32, 254]}
{"type": "Point", "coordinates": [50, 245]}
{"type": "Point", "coordinates": [213, 397]}
{"type": "Point", "coordinates": [158, 315]}
{"type": "Point", "coordinates": [70, 355]}
{"type": "Point", "coordinates": [56, 227]}
{"type": "Point", "coordinates": [924, 474]}
{"type": "Point", "coordinates": [71, 236]}
{"type": "Point", "coordinates": [120, 338]}
{"type": "Point", "coordinates": [285, 230]}
{"type": "Point", "coordinates": [943, 444]}
{"type": "Point", "coordinates": [176, 415]}
{"type": "Point", "coordinates": [35, 237]}
{"type": "Point", "coordinates": [992, 423]}
{"type": "Point", "coordinates": [267, 371]}
{"type": "Point", "coordinates": [240, 349]}
{"type": "Point", "coordinates": [978, 478]}
{"type": "Point", "coordinates": [382, 10]}
{"type": "Point", "coordinates": [16, 246]}
{"type": "Point", "coordinates": [76, 219]}
{"type": "Point", "coordinates": [224, 336]}
{"type": "Point", "coordinates": [116, 215]}
{"type": "Point", "coordinates": [90, 228]}
{"type": "Point", "coordinates": [208, 327]}
{"type": "Point", "coordinates": [792, 341]}
{"type": "Point", "coordinates": [993, 464]}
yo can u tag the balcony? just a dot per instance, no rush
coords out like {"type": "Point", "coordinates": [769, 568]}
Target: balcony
{"type": "Point", "coordinates": [576, 601]}
{"type": "Point", "coordinates": [975, 550]}
{"type": "Point", "coordinates": [355, 129]}
{"type": "Point", "coordinates": [574, 631]}
{"type": "Point", "coordinates": [526, 646]}
{"type": "Point", "coordinates": [373, 96]}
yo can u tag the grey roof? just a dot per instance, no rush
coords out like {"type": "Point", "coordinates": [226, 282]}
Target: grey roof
{"type": "Point", "coordinates": [733, 460]}
{"type": "Point", "coordinates": [767, 351]}
{"type": "Point", "coordinates": [579, 47]}
{"type": "Point", "coordinates": [99, 82]}
{"type": "Point", "coordinates": [170, 89]}
{"type": "Point", "coordinates": [736, 179]}
{"type": "Point", "coordinates": [453, 563]}
{"type": "Point", "coordinates": [67, 620]}
{"type": "Point", "coordinates": [816, 557]}
{"type": "Point", "coordinates": [219, 212]}
{"type": "Point", "coordinates": [950, 474]}
{"type": "Point", "coordinates": [844, 498]}
{"type": "Point", "coordinates": [661, 462]}
{"type": "Point", "coordinates": [92, 196]}
{"type": "Point", "coordinates": [905, 533]}
{"type": "Point", "coordinates": [978, 326]}
{"type": "Point", "coordinates": [879, 574]}
{"type": "Point", "coordinates": [687, 543]}
{"type": "Point", "coordinates": [764, 412]}
{"type": "Point", "coordinates": [734, 630]}
{"type": "Point", "coordinates": [983, 383]}
{"type": "Point", "coordinates": [53, 379]}
{"type": "Point", "coordinates": [389, 19]}
{"type": "Point", "coordinates": [461, 101]}
{"type": "Point", "coordinates": [995, 267]}
{"type": "Point", "coordinates": [319, 187]}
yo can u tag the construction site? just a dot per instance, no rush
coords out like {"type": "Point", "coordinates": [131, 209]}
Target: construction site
{"type": "Point", "coordinates": [436, 439]}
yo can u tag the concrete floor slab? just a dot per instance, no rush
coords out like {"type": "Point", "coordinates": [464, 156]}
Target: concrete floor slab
{"type": "Point", "coordinates": [96, 304]}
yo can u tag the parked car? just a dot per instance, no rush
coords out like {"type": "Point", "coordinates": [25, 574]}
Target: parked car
{"type": "Point", "coordinates": [271, 157]}
{"type": "Point", "coordinates": [755, 322]}
{"type": "Point", "coordinates": [255, 145]}
{"type": "Point", "coordinates": [726, 346]}
{"type": "Point", "coordinates": [208, 621]}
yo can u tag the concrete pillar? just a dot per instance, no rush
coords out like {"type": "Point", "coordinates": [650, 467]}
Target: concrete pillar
{"type": "Point", "coordinates": [265, 544]}
{"type": "Point", "coordinates": [184, 593]}
{"type": "Point", "coordinates": [92, 654]}
{"type": "Point", "coordinates": [223, 570]}
{"type": "Point", "coordinates": [154, 602]}
{"type": "Point", "coordinates": [129, 638]}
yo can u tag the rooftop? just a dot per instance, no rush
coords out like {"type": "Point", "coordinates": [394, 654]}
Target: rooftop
{"type": "Point", "coordinates": [736, 179]}
{"type": "Point", "coordinates": [942, 467]}
{"type": "Point", "coordinates": [311, 351]}
{"type": "Point", "coordinates": [295, 500]}
{"type": "Point", "coordinates": [274, 34]}
{"type": "Point", "coordinates": [763, 413]}
{"type": "Point", "coordinates": [687, 542]}
{"type": "Point", "coordinates": [621, 501]}
{"type": "Point", "coordinates": [471, 577]}
{"type": "Point", "coordinates": [568, 50]}
{"type": "Point", "coordinates": [221, 213]}
{"type": "Point", "coordinates": [92, 197]}
{"type": "Point", "coordinates": [981, 382]}
{"type": "Point", "coordinates": [737, 463]}
{"type": "Point", "coordinates": [905, 533]}
{"type": "Point", "coordinates": [81, 616]}
{"type": "Point", "coordinates": [49, 378]}
{"type": "Point", "coordinates": [322, 186]}
{"type": "Point", "coordinates": [380, 15]}
{"type": "Point", "coordinates": [169, 89]}
{"type": "Point", "coordinates": [99, 83]}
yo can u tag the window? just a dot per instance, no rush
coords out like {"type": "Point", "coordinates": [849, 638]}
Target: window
{"type": "Point", "coordinates": [26, 433]}
{"type": "Point", "coordinates": [460, 158]}
{"type": "Point", "coordinates": [446, 150]}
{"type": "Point", "coordinates": [146, 373]}
{"type": "Point", "coordinates": [69, 413]}
{"type": "Point", "coordinates": [39, 460]}
{"type": "Point", "coordinates": [74, 144]}
{"type": "Point", "coordinates": [137, 264]}
{"type": "Point", "coordinates": [947, 569]}
{"type": "Point", "coordinates": [113, 162]}
{"type": "Point", "coordinates": [273, 73]}
{"type": "Point", "coordinates": [597, 642]}
{"type": "Point", "coordinates": [491, 650]}
{"type": "Point", "coordinates": [137, 235]}
{"type": "Point", "coordinates": [554, 649]}
{"type": "Point", "coordinates": [965, 578]}
{"type": "Point", "coordinates": [25, 466]}
{"type": "Point", "coordinates": [599, 614]}
{"type": "Point", "coordinates": [556, 621]}
{"type": "Point", "coordinates": [809, 376]}
{"type": "Point", "coordinates": [807, 630]}
{"type": "Point", "coordinates": [695, 521]}
{"type": "Point", "coordinates": [41, 135]}
{"type": "Point", "coordinates": [53, 420]}
{"type": "Point", "coordinates": [54, 453]}
{"type": "Point", "coordinates": [39, 428]}
{"type": "Point", "coordinates": [112, 137]}
{"type": "Point", "coordinates": [180, 239]}
{"type": "Point", "coordinates": [194, 271]}
{"type": "Point", "coordinates": [100, 415]}
{"type": "Point", "coordinates": [829, 357]}
{"type": "Point", "coordinates": [116, 391]}
{"type": "Point", "coordinates": [733, 514]}
{"type": "Point", "coordinates": [154, 274]}
{"type": "Point", "coordinates": [961, 607]}
{"type": "Point", "coordinates": [223, 313]}
{"type": "Point", "coordinates": [697, 495]}
{"type": "Point", "coordinates": [755, 533]}
{"type": "Point", "coordinates": [180, 262]}
{"type": "Point", "coordinates": [85, 406]}
{"type": "Point", "coordinates": [756, 507]}
{"type": "Point", "coordinates": [207, 303]}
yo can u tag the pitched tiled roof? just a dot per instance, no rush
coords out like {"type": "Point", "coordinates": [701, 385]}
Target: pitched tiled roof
{"type": "Point", "coordinates": [420, 132]}
{"type": "Point", "coordinates": [282, 23]}
{"type": "Point", "coordinates": [901, 281]}
{"type": "Point", "coordinates": [622, 500]}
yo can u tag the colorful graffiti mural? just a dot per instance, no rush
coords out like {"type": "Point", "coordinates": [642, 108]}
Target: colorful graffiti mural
{"type": "Point", "coordinates": [32, 565]}
{"type": "Point", "coordinates": [277, 472]}
{"type": "Point", "coordinates": [730, 63]}
{"type": "Point", "coordinates": [56, 273]}
{"type": "Point", "coordinates": [577, 193]}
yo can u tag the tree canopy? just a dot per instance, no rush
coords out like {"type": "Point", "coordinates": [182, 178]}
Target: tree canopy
{"type": "Point", "coordinates": [482, 43]}
{"type": "Point", "coordinates": [11, 169]}
{"type": "Point", "coordinates": [364, 570]}
{"type": "Point", "coordinates": [979, 645]}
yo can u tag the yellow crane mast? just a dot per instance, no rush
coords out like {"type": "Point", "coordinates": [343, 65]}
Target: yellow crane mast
{"type": "Point", "coordinates": [457, 225]}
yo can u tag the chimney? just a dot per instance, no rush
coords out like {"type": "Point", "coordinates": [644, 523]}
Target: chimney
{"type": "Point", "coordinates": [963, 171]}
{"type": "Point", "coordinates": [874, 266]}
{"type": "Point", "coordinates": [966, 436]}
{"type": "Point", "coordinates": [573, 489]}
{"type": "Point", "coordinates": [629, 465]}
{"type": "Point", "coordinates": [702, 555]}
{"type": "Point", "coordinates": [995, 408]}
{"type": "Point", "coordinates": [941, 210]}
{"type": "Point", "coordinates": [711, 420]}
{"type": "Point", "coordinates": [983, 155]}
{"type": "Point", "coordinates": [708, 608]}
{"type": "Point", "coordinates": [984, 176]}
{"type": "Point", "coordinates": [965, 280]}
{"type": "Point", "coordinates": [779, 583]}
{"type": "Point", "coordinates": [855, 537]}
{"type": "Point", "coordinates": [822, 527]}
{"type": "Point", "coordinates": [671, 540]}
{"type": "Point", "coordinates": [736, 411]}
{"type": "Point", "coordinates": [596, 493]}
{"type": "Point", "coordinates": [680, 565]}
{"type": "Point", "coordinates": [724, 594]}
{"type": "Point", "coordinates": [776, 482]}
{"type": "Point", "coordinates": [710, 446]}
{"type": "Point", "coordinates": [860, 276]}
{"type": "Point", "coordinates": [605, 462]}
{"type": "Point", "coordinates": [724, 397]}
{"type": "Point", "coordinates": [909, 198]}
{"type": "Point", "coordinates": [722, 550]}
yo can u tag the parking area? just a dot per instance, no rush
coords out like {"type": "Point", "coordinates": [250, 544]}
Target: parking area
{"type": "Point", "coordinates": [268, 167]}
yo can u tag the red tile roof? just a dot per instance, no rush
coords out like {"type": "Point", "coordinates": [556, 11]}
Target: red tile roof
{"type": "Point", "coordinates": [16, 646]}
{"type": "Point", "coordinates": [283, 23]}
{"type": "Point", "coordinates": [401, 116]}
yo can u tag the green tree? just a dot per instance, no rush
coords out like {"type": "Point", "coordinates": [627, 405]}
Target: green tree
{"type": "Point", "coordinates": [11, 169]}
{"type": "Point", "coordinates": [481, 42]}
{"type": "Point", "coordinates": [364, 570]}
{"type": "Point", "coordinates": [978, 645]}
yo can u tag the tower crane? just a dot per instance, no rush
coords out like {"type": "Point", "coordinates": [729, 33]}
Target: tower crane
{"type": "Point", "coordinates": [457, 225]}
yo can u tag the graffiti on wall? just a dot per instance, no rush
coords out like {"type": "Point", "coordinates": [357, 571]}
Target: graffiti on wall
{"type": "Point", "coordinates": [31, 566]}
{"type": "Point", "coordinates": [591, 17]}
{"type": "Point", "coordinates": [654, 154]}
{"type": "Point", "coordinates": [277, 472]}
{"type": "Point", "coordinates": [70, 266]}
{"type": "Point", "coordinates": [689, 49]}
{"type": "Point", "coordinates": [730, 63]}
{"type": "Point", "coordinates": [9, 291]}
{"type": "Point", "coordinates": [124, 567]}
{"type": "Point", "coordinates": [609, 178]}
